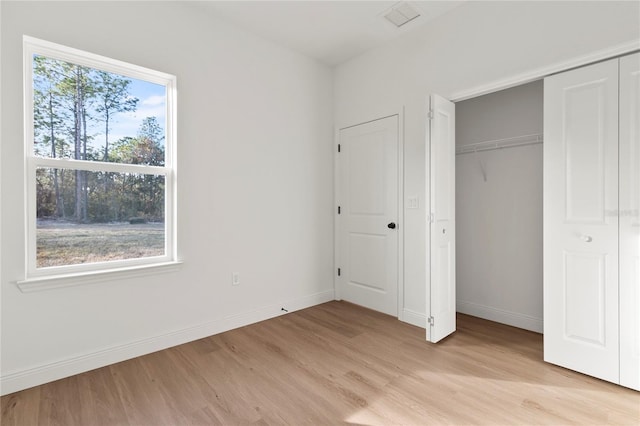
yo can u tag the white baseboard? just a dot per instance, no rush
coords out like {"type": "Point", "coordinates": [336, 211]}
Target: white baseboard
{"type": "Point", "coordinates": [414, 318]}
{"type": "Point", "coordinates": [19, 380]}
{"type": "Point", "coordinates": [499, 315]}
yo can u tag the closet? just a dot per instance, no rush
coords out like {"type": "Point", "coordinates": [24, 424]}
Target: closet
{"type": "Point", "coordinates": [591, 219]}
{"type": "Point", "coordinates": [499, 206]}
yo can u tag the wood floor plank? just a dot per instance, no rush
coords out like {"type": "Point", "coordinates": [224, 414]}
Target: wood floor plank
{"type": "Point", "coordinates": [21, 408]}
{"type": "Point", "coordinates": [99, 400]}
{"type": "Point", "coordinates": [335, 363]}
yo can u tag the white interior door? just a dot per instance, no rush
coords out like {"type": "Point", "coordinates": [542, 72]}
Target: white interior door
{"type": "Point", "coordinates": [441, 303]}
{"type": "Point", "coordinates": [368, 218]}
{"type": "Point", "coordinates": [630, 221]}
{"type": "Point", "coordinates": [581, 220]}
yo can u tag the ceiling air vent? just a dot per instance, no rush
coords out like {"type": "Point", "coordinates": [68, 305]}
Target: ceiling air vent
{"type": "Point", "coordinates": [400, 14]}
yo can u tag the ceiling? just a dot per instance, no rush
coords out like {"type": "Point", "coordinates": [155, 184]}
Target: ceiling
{"type": "Point", "coordinates": [330, 31]}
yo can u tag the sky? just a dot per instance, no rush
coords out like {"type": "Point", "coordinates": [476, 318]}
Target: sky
{"type": "Point", "coordinates": [152, 103]}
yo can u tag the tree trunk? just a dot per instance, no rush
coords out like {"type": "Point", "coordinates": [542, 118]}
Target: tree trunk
{"type": "Point", "coordinates": [107, 176]}
{"type": "Point", "coordinates": [78, 108]}
{"type": "Point", "coordinates": [85, 180]}
{"type": "Point", "coordinates": [106, 134]}
{"type": "Point", "coordinates": [59, 202]}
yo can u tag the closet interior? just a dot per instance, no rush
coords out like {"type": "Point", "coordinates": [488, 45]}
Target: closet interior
{"type": "Point", "coordinates": [499, 206]}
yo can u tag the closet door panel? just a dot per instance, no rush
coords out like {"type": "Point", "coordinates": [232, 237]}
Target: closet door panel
{"type": "Point", "coordinates": [630, 221]}
{"type": "Point", "coordinates": [581, 220]}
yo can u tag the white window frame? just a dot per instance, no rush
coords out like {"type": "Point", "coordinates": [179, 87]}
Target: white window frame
{"type": "Point", "coordinates": [36, 278]}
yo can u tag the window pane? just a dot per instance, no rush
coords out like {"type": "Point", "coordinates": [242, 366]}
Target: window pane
{"type": "Point", "coordinates": [83, 113]}
{"type": "Point", "coordinates": [87, 217]}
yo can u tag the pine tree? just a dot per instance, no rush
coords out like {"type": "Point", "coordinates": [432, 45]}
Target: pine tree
{"type": "Point", "coordinates": [113, 96]}
{"type": "Point", "coordinates": [49, 117]}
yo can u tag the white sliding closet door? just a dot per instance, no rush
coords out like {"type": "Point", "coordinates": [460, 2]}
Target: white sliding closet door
{"type": "Point", "coordinates": [630, 221]}
{"type": "Point", "coordinates": [581, 221]}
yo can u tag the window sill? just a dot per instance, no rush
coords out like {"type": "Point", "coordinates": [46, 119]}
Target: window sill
{"type": "Point", "coordinates": [69, 280]}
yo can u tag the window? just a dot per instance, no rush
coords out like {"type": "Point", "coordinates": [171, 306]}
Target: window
{"type": "Point", "coordinates": [100, 151]}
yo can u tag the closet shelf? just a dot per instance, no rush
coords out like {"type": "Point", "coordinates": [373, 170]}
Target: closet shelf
{"type": "Point", "coordinates": [500, 144]}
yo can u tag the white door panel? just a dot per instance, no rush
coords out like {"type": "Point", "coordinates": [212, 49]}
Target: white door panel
{"type": "Point", "coordinates": [581, 220]}
{"type": "Point", "coordinates": [584, 286]}
{"type": "Point", "coordinates": [630, 221]}
{"type": "Point", "coordinates": [441, 182]}
{"type": "Point", "coordinates": [585, 157]}
{"type": "Point", "coordinates": [362, 272]}
{"type": "Point", "coordinates": [368, 199]}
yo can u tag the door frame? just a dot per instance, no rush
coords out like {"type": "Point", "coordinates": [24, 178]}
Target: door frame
{"type": "Point", "coordinates": [401, 207]}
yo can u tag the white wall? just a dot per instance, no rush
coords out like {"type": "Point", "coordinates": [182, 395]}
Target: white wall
{"type": "Point", "coordinates": [499, 221]}
{"type": "Point", "coordinates": [475, 44]}
{"type": "Point", "coordinates": [255, 189]}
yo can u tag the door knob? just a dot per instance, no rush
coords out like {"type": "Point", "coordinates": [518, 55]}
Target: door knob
{"type": "Point", "coordinates": [392, 225]}
{"type": "Point", "coordinates": [587, 238]}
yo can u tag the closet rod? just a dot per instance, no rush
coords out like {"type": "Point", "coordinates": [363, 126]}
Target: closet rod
{"type": "Point", "coordinates": [500, 144]}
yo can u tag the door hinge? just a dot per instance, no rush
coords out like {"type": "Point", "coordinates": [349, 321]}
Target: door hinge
{"type": "Point", "coordinates": [338, 147]}
{"type": "Point", "coordinates": [338, 209]}
{"type": "Point", "coordinates": [432, 217]}
{"type": "Point", "coordinates": [430, 114]}
{"type": "Point", "coordinates": [338, 271]}
{"type": "Point", "coordinates": [431, 320]}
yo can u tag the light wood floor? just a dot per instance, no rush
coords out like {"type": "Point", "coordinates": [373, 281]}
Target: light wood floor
{"type": "Point", "coordinates": [335, 363]}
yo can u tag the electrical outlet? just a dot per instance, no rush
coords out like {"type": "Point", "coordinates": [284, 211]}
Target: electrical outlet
{"type": "Point", "coordinates": [235, 278]}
